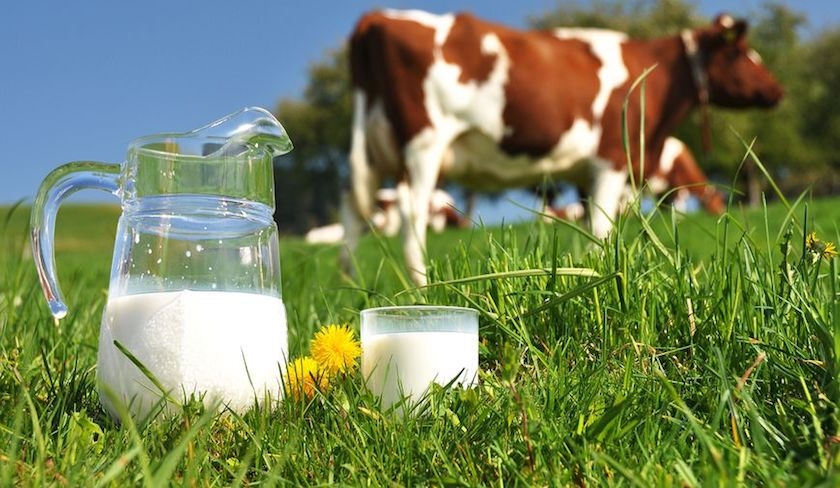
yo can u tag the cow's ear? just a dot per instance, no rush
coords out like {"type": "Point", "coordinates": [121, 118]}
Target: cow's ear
{"type": "Point", "coordinates": [735, 33]}
{"type": "Point", "coordinates": [724, 22]}
{"type": "Point", "coordinates": [731, 29]}
{"type": "Point", "coordinates": [740, 29]}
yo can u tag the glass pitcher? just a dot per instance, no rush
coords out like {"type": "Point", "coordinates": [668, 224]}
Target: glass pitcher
{"type": "Point", "coordinates": [194, 300]}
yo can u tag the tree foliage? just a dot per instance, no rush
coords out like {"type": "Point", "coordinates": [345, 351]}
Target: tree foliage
{"type": "Point", "coordinates": [638, 18]}
{"type": "Point", "coordinates": [795, 141]}
{"type": "Point", "coordinates": [820, 99]}
{"type": "Point", "coordinates": [309, 179]}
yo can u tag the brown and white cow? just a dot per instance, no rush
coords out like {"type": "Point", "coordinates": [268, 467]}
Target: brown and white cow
{"type": "Point", "coordinates": [442, 212]}
{"type": "Point", "coordinates": [680, 173]}
{"type": "Point", "coordinates": [677, 172]}
{"type": "Point", "coordinates": [387, 221]}
{"type": "Point", "coordinates": [489, 107]}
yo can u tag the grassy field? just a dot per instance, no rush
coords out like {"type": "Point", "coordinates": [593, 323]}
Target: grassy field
{"type": "Point", "coordinates": [694, 352]}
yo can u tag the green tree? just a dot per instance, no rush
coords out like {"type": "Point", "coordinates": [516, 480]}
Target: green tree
{"type": "Point", "coordinates": [821, 101]}
{"type": "Point", "coordinates": [638, 18]}
{"type": "Point", "coordinates": [309, 178]}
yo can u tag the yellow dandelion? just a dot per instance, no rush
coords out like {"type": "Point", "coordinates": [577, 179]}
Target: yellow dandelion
{"type": "Point", "coordinates": [820, 249]}
{"type": "Point", "coordinates": [829, 251]}
{"type": "Point", "coordinates": [336, 349]}
{"type": "Point", "coordinates": [303, 377]}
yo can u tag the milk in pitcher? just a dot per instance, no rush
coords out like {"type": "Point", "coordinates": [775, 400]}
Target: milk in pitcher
{"type": "Point", "coordinates": [192, 342]}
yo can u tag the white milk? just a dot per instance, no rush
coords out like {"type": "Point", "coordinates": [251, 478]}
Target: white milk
{"type": "Point", "coordinates": [193, 342]}
{"type": "Point", "coordinates": [413, 360]}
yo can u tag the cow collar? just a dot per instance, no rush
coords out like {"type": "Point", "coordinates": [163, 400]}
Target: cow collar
{"type": "Point", "coordinates": [695, 56]}
{"type": "Point", "coordinates": [695, 60]}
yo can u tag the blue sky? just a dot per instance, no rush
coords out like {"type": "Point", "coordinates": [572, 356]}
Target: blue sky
{"type": "Point", "coordinates": [79, 80]}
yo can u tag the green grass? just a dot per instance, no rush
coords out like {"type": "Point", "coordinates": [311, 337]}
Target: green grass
{"type": "Point", "coordinates": [699, 351]}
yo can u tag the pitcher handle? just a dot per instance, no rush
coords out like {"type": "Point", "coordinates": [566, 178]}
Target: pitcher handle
{"type": "Point", "coordinates": [58, 185]}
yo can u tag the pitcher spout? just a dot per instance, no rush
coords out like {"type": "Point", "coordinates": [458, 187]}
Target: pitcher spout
{"type": "Point", "coordinates": [231, 157]}
{"type": "Point", "coordinates": [252, 128]}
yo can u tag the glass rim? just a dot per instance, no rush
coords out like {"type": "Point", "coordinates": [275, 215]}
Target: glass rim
{"type": "Point", "coordinates": [418, 319]}
{"type": "Point", "coordinates": [421, 308]}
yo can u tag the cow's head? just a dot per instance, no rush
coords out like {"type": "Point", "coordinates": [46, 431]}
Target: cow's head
{"type": "Point", "coordinates": [713, 201]}
{"type": "Point", "coordinates": [735, 74]}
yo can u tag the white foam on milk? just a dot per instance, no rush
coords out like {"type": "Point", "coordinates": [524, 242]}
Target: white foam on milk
{"type": "Point", "coordinates": [228, 346]}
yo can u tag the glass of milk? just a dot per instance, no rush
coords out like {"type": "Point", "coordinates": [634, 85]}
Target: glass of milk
{"type": "Point", "coordinates": [407, 348]}
{"type": "Point", "coordinates": [194, 305]}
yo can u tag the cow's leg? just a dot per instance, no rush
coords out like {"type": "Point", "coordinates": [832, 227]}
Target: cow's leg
{"type": "Point", "coordinates": [571, 212]}
{"type": "Point", "coordinates": [363, 180]}
{"type": "Point", "coordinates": [357, 208]}
{"type": "Point", "coordinates": [607, 190]}
{"type": "Point", "coordinates": [415, 195]}
{"type": "Point", "coordinates": [354, 226]}
{"type": "Point", "coordinates": [415, 218]}
{"type": "Point", "coordinates": [628, 196]}
{"type": "Point", "coordinates": [680, 200]}
{"type": "Point", "coordinates": [414, 233]}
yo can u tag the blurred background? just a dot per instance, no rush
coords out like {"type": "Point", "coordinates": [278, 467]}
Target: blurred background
{"type": "Point", "coordinates": [79, 81]}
